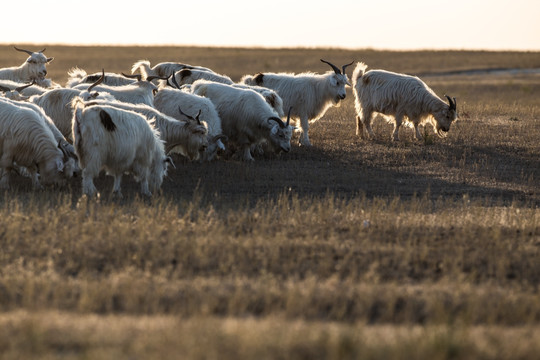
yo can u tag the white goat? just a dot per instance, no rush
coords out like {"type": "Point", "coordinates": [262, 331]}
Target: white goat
{"type": "Point", "coordinates": [168, 101]}
{"type": "Point", "coordinates": [34, 68]}
{"type": "Point", "coordinates": [400, 97]}
{"type": "Point", "coordinates": [139, 92]}
{"type": "Point", "coordinates": [185, 137]}
{"type": "Point", "coordinates": [78, 76]}
{"type": "Point", "coordinates": [117, 141]}
{"type": "Point", "coordinates": [164, 69]}
{"type": "Point", "coordinates": [63, 144]}
{"type": "Point", "coordinates": [246, 117]}
{"type": "Point", "coordinates": [189, 76]}
{"type": "Point", "coordinates": [27, 141]}
{"type": "Point", "coordinates": [24, 90]}
{"type": "Point", "coordinates": [308, 94]}
{"type": "Point", "coordinates": [271, 97]}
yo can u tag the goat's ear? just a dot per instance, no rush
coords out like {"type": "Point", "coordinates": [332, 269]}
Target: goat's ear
{"type": "Point", "coordinates": [169, 160]}
{"type": "Point", "coordinates": [259, 78]}
{"type": "Point", "coordinates": [50, 59]}
{"type": "Point", "coordinates": [59, 165]}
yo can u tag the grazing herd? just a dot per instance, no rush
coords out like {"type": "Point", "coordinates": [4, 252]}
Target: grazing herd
{"type": "Point", "coordinates": [131, 123]}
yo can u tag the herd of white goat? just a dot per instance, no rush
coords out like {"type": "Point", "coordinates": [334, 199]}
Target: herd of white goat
{"type": "Point", "coordinates": [131, 123]}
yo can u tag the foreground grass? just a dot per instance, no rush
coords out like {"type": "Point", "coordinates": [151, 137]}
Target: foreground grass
{"type": "Point", "coordinates": [53, 335]}
{"type": "Point", "coordinates": [413, 261]}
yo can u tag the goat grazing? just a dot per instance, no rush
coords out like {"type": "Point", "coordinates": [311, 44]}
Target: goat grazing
{"type": "Point", "coordinates": [399, 97]}
{"type": "Point", "coordinates": [26, 140]}
{"type": "Point", "coordinates": [168, 101]}
{"type": "Point", "coordinates": [246, 117]}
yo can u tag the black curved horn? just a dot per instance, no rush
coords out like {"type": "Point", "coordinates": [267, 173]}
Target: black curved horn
{"type": "Point", "coordinates": [345, 66]}
{"type": "Point", "coordinates": [23, 50]}
{"type": "Point", "coordinates": [21, 88]}
{"type": "Point", "coordinates": [98, 81]}
{"type": "Point", "coordinates": [43, 50]}
{"type": "Point", "coordinates": [134, 76]}
{"type": "Point", "coordinates": [189, 116]}
{"type": "Point", "coordinates": [197, 117]}
{"type": "Point", "coordinates": [64, 151]}
{"type": "Point", "coordinates": [289, 116]}
{"type": "Point", "coordinates": [336, 69]}
{"type": "Point", "coordinates": [452, 104]}
{"type": "Point", "coordinates": [278, 120]}
{"type": "Point", "coordinates": [153, 77]}
{"type": "Point", "coordinates": [173, 79]}
{"type": "Point", "coordinates": [220, 137]}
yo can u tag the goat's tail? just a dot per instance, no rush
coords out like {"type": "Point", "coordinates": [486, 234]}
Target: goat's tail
{"type": "Point", "coordinates": [143, 66]}
{"type": "Point", "coordinates": [75, 76]}
{"type": "Point", "coordinates": [200, 89]}
{"type": "Point", "coordinates": [358, 72]}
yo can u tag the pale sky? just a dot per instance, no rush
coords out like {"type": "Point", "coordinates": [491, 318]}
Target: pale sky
{"type": "Point", "coordinates": [377, 24]}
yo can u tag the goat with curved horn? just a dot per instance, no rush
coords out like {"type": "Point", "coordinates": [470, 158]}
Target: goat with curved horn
{"type": "Point", "coordinates": [402, 99]}
{"type": "Point", "coordinates": [319, 93]}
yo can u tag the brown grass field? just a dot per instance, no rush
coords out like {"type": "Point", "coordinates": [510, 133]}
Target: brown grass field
{"type": "Point", "coordinates": [350, 249]}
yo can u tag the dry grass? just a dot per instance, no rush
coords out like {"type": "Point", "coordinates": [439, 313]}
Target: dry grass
{"type": "Point", "coordinates": [350, 249]}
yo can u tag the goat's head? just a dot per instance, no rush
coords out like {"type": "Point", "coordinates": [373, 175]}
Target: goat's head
{"type": "Point", "coordinates": [147, 83]}
{"type": "Point", "coordinates": [445, 116]}
{"type": "Point", "coordinates": [281, 133]}
{"type": "Point", "coordinates": [197, 140]}
{"type": "Point", "coordinates": [36, 63]}
{"type": "Point", "coordinates": [70, 159]}
{"type": "Point", "coordinates": [16, 94]}
{"type": "Point", "coordinates": [52, 167]}
{"type": "Point", "coordinates": [338, 80]}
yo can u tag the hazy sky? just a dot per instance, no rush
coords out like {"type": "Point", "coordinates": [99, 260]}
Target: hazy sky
{"type": "Point", "coordinates": [379, 24]}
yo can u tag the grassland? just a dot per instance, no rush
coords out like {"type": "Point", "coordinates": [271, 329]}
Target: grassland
{"type": "Point", "coordinates": [347, 250]}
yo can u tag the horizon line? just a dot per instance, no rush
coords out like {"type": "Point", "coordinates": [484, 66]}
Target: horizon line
{"type": "Point", "coordinates": [271, 47]}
